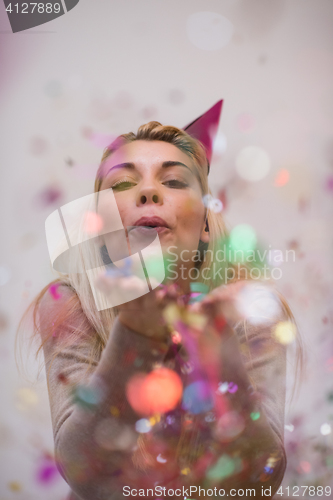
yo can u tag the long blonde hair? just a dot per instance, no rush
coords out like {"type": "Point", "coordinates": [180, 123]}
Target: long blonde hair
{"type": "Point", "coordinates": [101, 321]}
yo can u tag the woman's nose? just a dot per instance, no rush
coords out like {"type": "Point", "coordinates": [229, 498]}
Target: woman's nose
{"type": "Point", "coordinates": [149, 194]}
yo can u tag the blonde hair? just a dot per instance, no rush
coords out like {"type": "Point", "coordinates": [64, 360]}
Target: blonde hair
{"type": "Point", "coordinates": [101, 321]}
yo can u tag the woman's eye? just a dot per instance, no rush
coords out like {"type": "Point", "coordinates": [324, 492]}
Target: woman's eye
{"type": "Point", "coordinates": [174, 183]}
{"type": "Point", "coordinates": [122, 185]}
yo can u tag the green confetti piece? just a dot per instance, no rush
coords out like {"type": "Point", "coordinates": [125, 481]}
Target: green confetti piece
{"type": "Point", "coordinates": [255, 415]}
{"type": "Point", "coordinates": [86, 397]}
{"type": "Point", "coordinates": [224, 467]}
{"type": "Point", "coordinates": [198, 287]}
{"type": "Point", "coordinates": [198, 298]}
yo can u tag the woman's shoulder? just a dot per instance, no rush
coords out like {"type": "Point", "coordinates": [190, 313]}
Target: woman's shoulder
{"type": "Point", "coordinates": [59, 310]}
{"type": "Point", "coordinates": [55, 296]}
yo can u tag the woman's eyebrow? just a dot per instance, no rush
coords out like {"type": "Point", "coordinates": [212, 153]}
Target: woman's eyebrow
{"type": "Point", "coordinates": [171, 163]}
{"type": "Point", "coordinates": [165, 164]}
{"type": "Point", "coordinates": [128, 165]}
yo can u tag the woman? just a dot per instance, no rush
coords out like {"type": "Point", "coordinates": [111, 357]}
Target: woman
{"type": "Point", "coordinates": [220, 420]}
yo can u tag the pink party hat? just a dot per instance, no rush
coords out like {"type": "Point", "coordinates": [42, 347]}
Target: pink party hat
{"type": "Point", "coordinates": [204, 128]}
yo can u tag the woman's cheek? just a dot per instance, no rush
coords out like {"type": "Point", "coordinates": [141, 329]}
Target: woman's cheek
{"type": "Point", "coordinates": [190, 207]}
{"type": "Point", "coordinates": [122, 208]}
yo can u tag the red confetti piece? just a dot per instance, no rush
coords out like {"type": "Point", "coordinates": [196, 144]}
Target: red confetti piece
{"type": "Point", "coordinates": [282, 178]}
{"type": "Point", "coordinates": [220, 323]}
{"type": "Point", "coordinates": [158, 392]}
{"type": "Point", "coordinates": [62, 378]}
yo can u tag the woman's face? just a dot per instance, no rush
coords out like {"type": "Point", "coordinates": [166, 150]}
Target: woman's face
{"type": "Point", "coordinates": [155, 184]}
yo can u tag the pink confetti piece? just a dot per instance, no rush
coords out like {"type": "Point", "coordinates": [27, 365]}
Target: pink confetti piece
{"type": "Point", "coordinates": [53, 289]}
{"type": "Point", "coordinates": [232, 388]}
{"type": "Point", "coordinates": [47, 471]}
{"type": "Point", "coordinates": [282, 178]}
{"type": "Point", "coordinates": [329, 183]}
{"type": "Point", "coordinates": [48, 196]}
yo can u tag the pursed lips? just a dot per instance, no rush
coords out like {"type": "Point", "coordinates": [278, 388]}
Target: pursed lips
{"type": "Point", "coordinates": [153, 222]}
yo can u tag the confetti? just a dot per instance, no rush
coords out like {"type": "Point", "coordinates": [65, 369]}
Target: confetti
{"type": "Point", "coordinates": [329, 183]}
{"type": "Point", "coordinates": [232, 388]}
{"type": "Point", "coordinates": [86, 397]}
{"type": "Point", "coordinates": [225, 467]}
{"type": "Point", "coordinates": [143, 425]}
{"type": "Point", "coordinates": [48, 196]}
{"type": "Point", "coordinates": [243, 240]}
{"type": "Point", "coordinates": [289, 427]}
{"type": "Point", "coordinates": [223, 387]}
{"type": "Point", "coordinates": [160, 459]}
{"type": "Point", "coordinates": [62, 378]}
{"type": "Point", "coordinates": [27, 398]}
{"type": "Point", "coordinates": [219, 146]}
{"type": "Point", "coordinates": [325, 429]}
{"type": "Point", "coordinates": [197, 397]}
{"type": "Point", "coordinates": [158, 392]}
{"type": "Point", "coordinates": [216, 205]}
{"type": "Point", "coordinates": [93, 223]}
{"type": "Point", "coordinates": [176, 337]}
{"type": "Point", "coordinates": [206, 199]}
{"type": "Point", "coordinates": [257, 304]}
{"type": "Point", "coordinates": [229, 426]}
{"type": "Point", "coordinates": [114, 411]}
{"type": "Point", "coordinates": [53, 290]}
{"type": "Point", "coordinates": [282, 177]}
{"type": "Point", "coordinates": [285, 332]}
{"type": "Point", "coordinates": [112, 434]}
{"type": "Point", "coordinates": [252, 163]}
{"type": "Point", "coordinates": [47, 472]}
{"type": "Point", "coordinates": [15, 486]}
{"type": "Point", "coordinates": [304, 467]}
{"type": "Point", "coordinates": [213, 204]}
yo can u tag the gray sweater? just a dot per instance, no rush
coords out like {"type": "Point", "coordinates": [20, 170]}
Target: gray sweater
{"type": "Point", "coordinates": [97, 444]}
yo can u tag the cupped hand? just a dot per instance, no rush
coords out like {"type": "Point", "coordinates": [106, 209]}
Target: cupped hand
{"type": "Point", "coordinates": [143, 314]}
{"type": "Point", "coordinates": [222, 301]}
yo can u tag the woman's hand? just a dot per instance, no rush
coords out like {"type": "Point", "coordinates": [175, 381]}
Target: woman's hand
{"type": "Point", "coordinates": [222, 301]}
{"type": "Point", "coordinates": [143, 314]}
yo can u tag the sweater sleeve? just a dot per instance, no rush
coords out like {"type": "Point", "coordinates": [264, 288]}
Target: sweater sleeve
{"type": "Point", "coordinates": [264, 358]}
{"type": "Point", "coordinates": [92, 421]}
